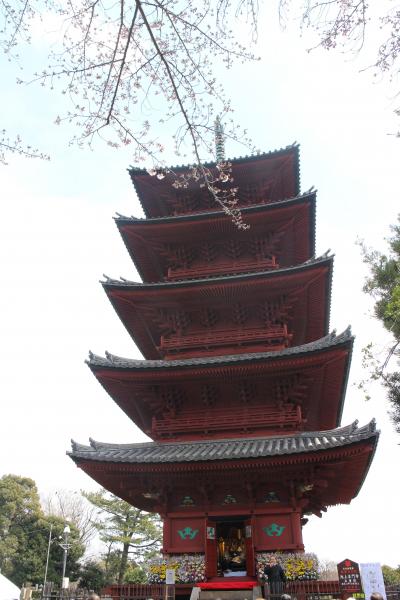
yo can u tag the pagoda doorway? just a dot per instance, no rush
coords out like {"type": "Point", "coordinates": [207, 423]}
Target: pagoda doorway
{"type": "Point", "coordinates": [233, 552]}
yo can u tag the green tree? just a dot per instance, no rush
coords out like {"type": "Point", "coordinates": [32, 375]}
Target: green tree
{"type": "Point", "coordinates": [135, 574]}
{"type": "Point", "coordinates": [96, 574]}
{"type": "Point", "coordinates": [93, 576]}
{"type": "Point", "coordinates": [24, 535]}
{"type": "Point", "coordinates": [391, 576]}
{"type": "Point", "coordinates": [29, 563]}
{"type": "Point", "coordinates": [19, 515]}
{"type": "Point", "coordinates": [129, 532]}
{"type": "Point", "coordinates": [383, 284]}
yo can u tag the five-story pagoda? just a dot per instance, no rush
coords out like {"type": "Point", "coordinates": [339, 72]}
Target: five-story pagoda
{"type": "Point", "coordinates": [242, 385]}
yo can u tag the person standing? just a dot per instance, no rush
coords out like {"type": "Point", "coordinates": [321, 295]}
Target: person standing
{"type": "Point", "coordinates": [275, 576]}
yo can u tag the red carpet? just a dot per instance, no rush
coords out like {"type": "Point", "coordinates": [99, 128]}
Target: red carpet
{"type": "Point", "coordinates": [236, 578]}
{"type": "Point", "coordinates": [227, 585]}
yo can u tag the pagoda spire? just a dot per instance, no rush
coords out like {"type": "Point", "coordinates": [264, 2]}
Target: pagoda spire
{"type": "Point", "coordinates": [219, 141]}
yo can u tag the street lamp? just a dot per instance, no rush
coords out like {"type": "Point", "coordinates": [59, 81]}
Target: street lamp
{"type": "Point", "coordinates": [65, 546]}
{"type": "Point", "coordinates": [47, 558]}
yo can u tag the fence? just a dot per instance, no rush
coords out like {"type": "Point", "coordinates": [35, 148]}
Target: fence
{"type": "Point", "coordinates": [55, 593]}
{"type": "Point", "coordinates": [112, 592]}
{"type": "Point", "coordinates": [393, 592]}
{"type": "Point", "coordinates": [304, 590]}
{"type": "Point", "coordinates": [297, 590]}
{"type": "Point", "coordinates": [139, 591]}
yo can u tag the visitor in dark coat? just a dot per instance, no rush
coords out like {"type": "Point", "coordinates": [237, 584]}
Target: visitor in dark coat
{"type": "Point", "coordinates": [275, 576]}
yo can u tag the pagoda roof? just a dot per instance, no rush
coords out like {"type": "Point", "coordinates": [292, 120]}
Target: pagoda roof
{"type": "Point", "coordinates": [307, 288]}
{"type": "Point", "coordinates": [148, 475]}
{"type": "Point", "coordinates": [236, 160]}
{"type": "Point", "coordinates": [227, 449]}
{"type": "Point", "coordinates": [143, 238]}
{"type": "Point", "coordinates": [316, 375]}
{"type": "Point", "coordinates": [214, 214]}
{"type": "Point", "coordinates": [127, 283]}
{"type": "Point", "coordinates": [112, 361]}
{"type": "Point", "coordinates": [154, 193]}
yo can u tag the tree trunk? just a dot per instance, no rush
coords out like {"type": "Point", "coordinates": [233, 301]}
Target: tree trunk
{"type": "Point", "coordinates": [107, 562]}
{"type": "Point", "coordinates": [123, 563]}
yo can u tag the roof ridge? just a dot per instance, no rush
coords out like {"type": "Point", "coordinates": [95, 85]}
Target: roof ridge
{"type": "Point", "coordinates": [229, 448]}
{"type": "Point", "coordinates": [112, 360]}
{"type": "Point", "coordinates": [312, 192]}
{"type": "Point", "coordinates": [346, 429]}
{"type": "Point", "coordinates": [255, 274]}
{"type": "Point", "coordinates": [236, 159]}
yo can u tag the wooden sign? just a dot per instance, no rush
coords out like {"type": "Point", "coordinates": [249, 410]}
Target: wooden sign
{"type": "Point", "coordinates": [349, 576]}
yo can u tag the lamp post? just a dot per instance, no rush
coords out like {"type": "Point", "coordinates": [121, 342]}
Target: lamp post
{"type": "Point", "coordinates": [47, 558]}
{"type": "Point", "coordinates": [65, 546]}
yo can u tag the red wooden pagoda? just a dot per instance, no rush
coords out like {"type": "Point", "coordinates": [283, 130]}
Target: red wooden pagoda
{"type": "Point", "coordinates": [242, 385]}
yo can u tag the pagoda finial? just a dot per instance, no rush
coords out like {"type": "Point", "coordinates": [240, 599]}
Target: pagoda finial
{"type": "Point", "coordinates": [219, 141]}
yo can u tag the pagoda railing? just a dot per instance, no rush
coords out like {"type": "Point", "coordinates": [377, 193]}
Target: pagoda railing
{"type": "Point", "coordinates": [207, 270]}
{"type": "Point", "coordinates": [275, 336]}
{"type": "Point", "coordinates": [287, 416]}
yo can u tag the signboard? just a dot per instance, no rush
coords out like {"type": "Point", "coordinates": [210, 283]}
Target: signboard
{"type": "Point", "coordinates": [349, 577]}
{"type": "Point", "coordinates": [372, 579]}
{"type": "Point", "coordinates": [65, 583]}
{"type": "Point", "coordinates": [170, 576]}
{"type": "Point", "coordinates": [211, 533]}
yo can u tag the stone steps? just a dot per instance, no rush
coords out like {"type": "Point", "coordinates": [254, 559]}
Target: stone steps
{"type": "Point", "coordinates": [238, 594]}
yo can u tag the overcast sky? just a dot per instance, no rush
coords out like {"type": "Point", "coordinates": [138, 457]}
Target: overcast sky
{"type": "Point", "coordinates": [57, 238]}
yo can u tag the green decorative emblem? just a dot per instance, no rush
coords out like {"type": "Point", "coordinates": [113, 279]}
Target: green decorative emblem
{"type": "Point", "coordinates": [188, 532]}
{"type": "Point", "coordinates": [271, 497]}
{"type": "Point", "coordinates": [187, 501]}
{"type": "Point", "coordinates": [274, 530]}
{"type": "Point", "coordinates": [229, 499]}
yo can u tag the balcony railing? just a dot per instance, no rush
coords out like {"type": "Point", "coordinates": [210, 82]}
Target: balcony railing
{"type": "Point", "coordinates": [219, 419]}
{"type": "Point", "coordinates": [229, 268]}
{"type": "Point", "coordinates": [274, 335]}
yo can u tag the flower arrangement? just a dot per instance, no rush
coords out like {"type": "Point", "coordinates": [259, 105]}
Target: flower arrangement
{"type": "Point", "coordinates": [297, 566]}
{"type": "Point", "coordinates": [189, 568]}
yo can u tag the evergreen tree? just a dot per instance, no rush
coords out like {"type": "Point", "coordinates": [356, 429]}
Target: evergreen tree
{"type": "Point", "coordinates": [24, 535]}
{"type": "Point", "coordinates": [391, 576]}
{"type": "Point", "coordinates": [93, 576]}
{"type": "Point", "coordinates": [383, 284]}
{"type": "Point", "coordinates": [129, 532]}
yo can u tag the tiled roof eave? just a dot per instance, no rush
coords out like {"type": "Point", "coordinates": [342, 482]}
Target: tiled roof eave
{"type": "Point", "coordinates": [216, 214]}
{"type": "Point", "coordinates": [370, 459]}
{"type": "Point", "coordinates": [345, 381]}
{"type": "Point", "coordinates": [236, 160]}
{"type": "Point", "coordinates": [295, 148]}
{"type": "Point", "coordinates": [309, 264]}
{"type": "Point", "coordinates": [227, 449]}
{"type": "Point", "coordinates": [330, 341]}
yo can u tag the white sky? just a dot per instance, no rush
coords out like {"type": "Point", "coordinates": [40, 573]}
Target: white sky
{"type": "Point", "coordinates": [57, 237]}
